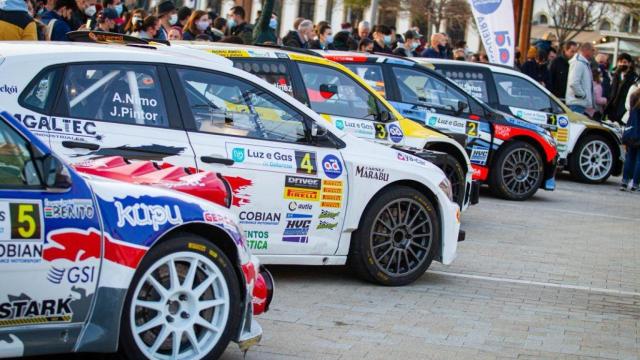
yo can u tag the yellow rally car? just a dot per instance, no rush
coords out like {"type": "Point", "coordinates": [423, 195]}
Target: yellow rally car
{"type": "Point", "coordinates": [353, 106]}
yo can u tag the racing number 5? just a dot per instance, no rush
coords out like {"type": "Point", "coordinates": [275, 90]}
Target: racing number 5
{"type": "Point", "coordinates": [25, 221]}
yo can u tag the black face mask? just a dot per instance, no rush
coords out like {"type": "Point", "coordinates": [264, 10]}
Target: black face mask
{"type": "Point", "coordinates": [623, 68]}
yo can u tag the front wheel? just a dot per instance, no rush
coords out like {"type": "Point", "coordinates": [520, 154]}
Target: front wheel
{"type": "Point", "coordinates": [182, 303]}
{"type": "Point", "coordinates": [453, 171]}
{"type": "Point", "coordinates": [517, 172]}
{"type": "Point", "coordinates": [592, 160]}
{"type": "Point", "coordinates": [397, 238]}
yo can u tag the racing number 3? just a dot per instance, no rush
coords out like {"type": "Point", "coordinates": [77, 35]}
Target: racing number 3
{"type": "Point", "coordinates": [25, 221]}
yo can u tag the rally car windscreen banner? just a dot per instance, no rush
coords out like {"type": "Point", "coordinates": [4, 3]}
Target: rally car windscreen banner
{"type": "Point", "coordinates": [496, 29]}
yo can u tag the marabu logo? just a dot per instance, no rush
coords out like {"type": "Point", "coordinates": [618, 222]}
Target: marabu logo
{"type": "Point", "coordinates": [144, 215]}
{"type": "Point", "coordinates": [7, 89]}
{"type": "Point", "coordinates": [369, 172]}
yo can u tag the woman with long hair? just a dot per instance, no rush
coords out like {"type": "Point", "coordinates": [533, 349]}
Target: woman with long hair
{"type": "Point", "coordinates": [197, 27]}
{"type": "Point", "coordinates": [148, 29]}
{"type": "Point", "coordinates": [137, 16]}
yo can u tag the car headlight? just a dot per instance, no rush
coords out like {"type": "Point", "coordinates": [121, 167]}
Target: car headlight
{"type": "Point", "coordinates": [445, 185]}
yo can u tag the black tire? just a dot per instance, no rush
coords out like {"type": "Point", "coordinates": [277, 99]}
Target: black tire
{"type": "Point", "coordinates": [456, 175]}
{"type": "Point", "coordinates": [366, 255]}
{"type": "Point", "coordinates": [579, 173]}
{"type": "Point", "coordinates": [184, 242]}
{"type": "Point", "coordinates": [511, 178]}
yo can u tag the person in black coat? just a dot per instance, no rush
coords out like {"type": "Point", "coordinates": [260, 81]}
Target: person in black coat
{"type": "Point", "coordinates": [324, 40]}
{"type": "Point", "coordinates": [301, 37]}
{"type": "Point", "coordinates": [382, 39]}
{"type": "Point", "coordinates": [623, 78]}
{"type": "Point", "coordinates": [631, 140]}
{"type": "Point", "coordinates": [559, 70]}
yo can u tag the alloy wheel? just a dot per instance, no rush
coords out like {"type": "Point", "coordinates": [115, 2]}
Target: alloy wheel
{"type": "Point", "coordinates": [596, 160]}
{"type": "Point", "coordinates": [521, 171]}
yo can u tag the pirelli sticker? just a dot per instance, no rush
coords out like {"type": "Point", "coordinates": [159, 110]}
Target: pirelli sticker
{"type": "Point", "coordinates": [302, 188]}
{"type": "Point", "coordinates": [331, 196]}
{"type": "Point", "coordinates": [562, 135]}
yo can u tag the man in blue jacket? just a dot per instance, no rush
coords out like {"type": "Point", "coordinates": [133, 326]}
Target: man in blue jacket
{"type": "Point", "coordinates": [57, 20]}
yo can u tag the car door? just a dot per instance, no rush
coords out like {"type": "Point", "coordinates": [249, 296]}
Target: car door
{"type": "Point", "coordinates": [50, 250]}
{"type": "Point", "coordinates": [521, 97]}
{"type": "Point", "coordinates": [121, 110]}
{"type": "Point", "coordinates": [290, 195]}
{"type": "Point", "coordinates": [351, 107]}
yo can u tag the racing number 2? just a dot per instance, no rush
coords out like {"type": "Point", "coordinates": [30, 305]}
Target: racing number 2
{"type": "Point", "coordinates": [25, 221]}
{"type": "Point", "coordinates": [472, 128]}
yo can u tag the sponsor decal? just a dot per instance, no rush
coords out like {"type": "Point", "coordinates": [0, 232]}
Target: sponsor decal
{"type": "Point", "coordinates": [297, 228]}
{"type": "Point", "coordinates": [218, 219]}
{"type": "Point", "coordinates": [271, 158]}
{"type": "Point", "coordinates": [410, 158]}
{"type": "Point", "coordinates": [381, 131]}
{"type": "Point", "coordinates": [140, 214]}
{"type": "Point", "coordinates": [395, 133]}
{"type": "Point", "coordinates": [479, 155]}
{"type": "Point", "coordinates": [332, 166]}
{"type": "Point", "coordinates": [8, 89]}
{"type": "Point", "coordinates": [479, 172]}
{"type": "Point", "coordinates": [130, 107]}
{"type": "Point", "coordinates": [432, 120]}
{"type": "Point", "coordinates": [373, 173]}
{"type": "Point", "coordinates": [259, 217]}
{"type": "Point", "coordinates": [486, 7]}
{"type": "Point", "coordinates": [326, 225]}
{"type": "Point", "coordinates": [239, 187]}
{"type": "Point", "coordinates": [302, 188]}
{"type": "Point", "coordinates": [22, 310]}
{"type": "Point", "coordinates": [326, 214]}
{"type": "Point", "coordinates": [530, 115]}
{"type": "Point", "coordinates": [153, 152]}
{"type": "Point", "coordinates": [59, 128]}
{"type": "Point", "coordinates": [331, 194]}
{"type": "Point", "coordinates": [562, 135]}
{"type": "Point", "coordinates": [20, 231]}
{"type": "Point", "coordinates": [77, 209]}
{"type": "Point", "coordinates": [257, 240]}
{"type": "Point", "coordinates": [293, 206]}
{"type": "Point", "coordinates": [502, 132]}
{"type": "Point", "coordinates": [72, 275]}
{"type": "Point", "coordinates": [340, 124]}
{"type": "Point", "coordinates": [563, 121]}
{"type": "Point", "coordinates": [361, 128]}
{"type": "Point", "coordinates": [452, 124]}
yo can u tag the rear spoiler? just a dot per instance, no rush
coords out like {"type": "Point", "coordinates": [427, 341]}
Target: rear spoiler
{"type": "Point", "coordinates": [103, 37]}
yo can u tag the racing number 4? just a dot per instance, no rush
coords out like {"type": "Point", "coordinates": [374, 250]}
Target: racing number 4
{"type": "Point", "coordinates": [306, 162]}
{"type": "Point", "coordinates": [25, 221]}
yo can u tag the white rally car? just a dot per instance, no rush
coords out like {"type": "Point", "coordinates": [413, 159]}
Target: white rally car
{"type": "Point", "coordinates": [304, 191]}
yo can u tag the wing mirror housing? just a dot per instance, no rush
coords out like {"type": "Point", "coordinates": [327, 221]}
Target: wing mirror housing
{"type": "Point", "coordinates": [462, 106]}
{"type": "Point", "coordinates": [53, 172]}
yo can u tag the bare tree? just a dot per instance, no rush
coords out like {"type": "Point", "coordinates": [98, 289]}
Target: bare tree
{"type": "Point", "coordinates": [571, 17]}
{"type": "Point", "coordinates": [433, 12]}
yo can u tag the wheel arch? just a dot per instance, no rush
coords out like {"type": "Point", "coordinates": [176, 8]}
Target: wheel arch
{"type": "Point", "coordinates": [423, 189]}
{"type": "Point", "coordinates": [93, 337]}
{"type": "Point", "coordinates": [452, 150]}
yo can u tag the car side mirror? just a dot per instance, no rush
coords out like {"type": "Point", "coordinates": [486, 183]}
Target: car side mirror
{"type": "Point", "coordinates": [327, 91]}
{"type": "Point", "coordinates": [318, 132]}
{"type": "Point", "coordinates": [384, 116]}
{"type": "Point", "coordinates": [55, 174]}
{"type": "Point", "coordinates": [462, 106]}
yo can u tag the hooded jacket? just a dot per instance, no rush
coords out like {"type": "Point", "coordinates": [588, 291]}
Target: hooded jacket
{"type": "Point", "coordinates": [60, 27]}
{"type": "Point", "coordinates": [580, 82]}
{"type": "Point", "coordinates": [16, 23]}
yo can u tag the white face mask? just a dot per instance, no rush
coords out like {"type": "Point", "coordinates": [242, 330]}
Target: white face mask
{"type": "Point", "coordinates": [90, 11]}
{"type": "Point", "coordinates": [136, 19]}
{"type": "Point", "coordinates": [202, 25]}
{"type": "Point", "coordinates": [173, 19]}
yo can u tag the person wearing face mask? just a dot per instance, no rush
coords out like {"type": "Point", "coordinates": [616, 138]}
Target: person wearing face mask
{"type": "Point", "coordinates": [238, 26]}
{"type": "Point", "coordinates": [624, 78]}
{"type": "Point", "coordinates": [409, 46]}
{"type": "Point", "coordinates": [325, 38]}
{"type": "Point", "coordinates": [264, 32]}
{"type": "Point", "coordinates": [365, 45]}
{"type": "Point", "coordinates": [107, 20]}
{"type": "Point", "coordinates": [15, 21]}
{"type": "Point", "coordinates": [137, 16]}
{"type": "Point", "coordinates": [438, 48]}
{"type": "Point", "coordinates": [300, 38]}
{"type": "Point", "coordinates": [167, 14]}
{"type": "Point", "coordinates": [382, 39]}
{"type": "Point", "coordinates": [197, 26]}
{"type": "Point", "coordinates": [57, 20]}
{"type": "Point", "coordinates": [148, 29]}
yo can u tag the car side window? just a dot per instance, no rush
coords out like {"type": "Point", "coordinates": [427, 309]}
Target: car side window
{"type": "Point", "coordinates": [120, 93]}
{"type": "Point", "coordinates": [472, 82]}
{"type": "Point", "coordinates": [334, 93]}
{"type": "Point", "coordinates": [418, 88]}
{"type": "Point", "coordinates": [520, 93]}
{"type": "Point", "coordinates": [274, 73]}
{"type": "Point", "coordinates": [372, 75]}
{"type": "Point", "coordinates": [221, 104]}
{"type": "Point", "coordinates": [17, 169]}
{"type": "Point", "coordinates": [40, 93]}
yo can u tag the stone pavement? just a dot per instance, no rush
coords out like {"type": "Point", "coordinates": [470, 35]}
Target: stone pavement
{"type": "Point", "coordinates": [557, 276]}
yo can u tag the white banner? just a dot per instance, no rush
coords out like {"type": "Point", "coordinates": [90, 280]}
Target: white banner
{"type": "Point", "coordinates": [496, 29]}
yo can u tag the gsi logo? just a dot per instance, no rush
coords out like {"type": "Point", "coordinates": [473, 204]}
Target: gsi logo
{"type": "Point", "coordinates": [237, 154]}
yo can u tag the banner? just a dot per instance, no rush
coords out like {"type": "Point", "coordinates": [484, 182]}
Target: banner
{"type": "Point", "coordinates": [496, 29]}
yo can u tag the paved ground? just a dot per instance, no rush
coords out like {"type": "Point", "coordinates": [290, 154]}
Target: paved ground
{"type": "Point", "coordinates": [554, 277]}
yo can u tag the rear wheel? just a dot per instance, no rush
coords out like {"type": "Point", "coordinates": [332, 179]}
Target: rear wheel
{"type": "Point", "coordinates": [182, 303]}
{"type": "Point", "coordinates": [517, 171]}
{"type": "Point", "coordinates": [592, 160]}
{"type": "Point", "coordinates": [453, 170]}
{"type": "Point", "coordinates": [397, 238]}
